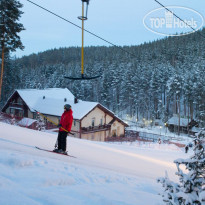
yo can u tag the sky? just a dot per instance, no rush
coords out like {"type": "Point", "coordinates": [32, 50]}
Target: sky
{"type": "Point", "coordinates": [102, 173]}
{"type": "Point", "coordinates": [119, 22]}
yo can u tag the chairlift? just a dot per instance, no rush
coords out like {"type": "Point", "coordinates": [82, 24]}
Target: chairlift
{"type": "Point", "coordinates": [83, 18]}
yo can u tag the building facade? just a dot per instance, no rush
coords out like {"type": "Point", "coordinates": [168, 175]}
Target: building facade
{"type": "Point", "coordinates": [92, 121]}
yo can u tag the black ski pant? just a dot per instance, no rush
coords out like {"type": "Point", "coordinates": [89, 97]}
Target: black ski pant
{"type": "Point", "coordinates": [62, 135]}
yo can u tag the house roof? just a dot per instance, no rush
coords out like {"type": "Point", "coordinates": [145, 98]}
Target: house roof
{"type": "Point", "coordinates": [52, 106]}
{"type": "Point", "coordinates": [26, 121]}
{"type": "Point", "coordinates": [31, 96]}
{"type": "Point", "coordinates": [175, 121]}
{"type": "Point", "coordinates": [195, 129]}
{"type": "Point", "coordinates": [51, 102]}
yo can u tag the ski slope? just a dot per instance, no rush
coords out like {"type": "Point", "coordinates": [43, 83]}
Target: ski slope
{"type": "Point", "coordinates": [102, 174]}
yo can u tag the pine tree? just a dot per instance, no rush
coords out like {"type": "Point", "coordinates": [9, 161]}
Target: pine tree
{"type": "Point", "coordinates": [191, 187]}
{"type": "Point", "coordinates": [40, 123]}
{"type": "Point", "coordinates": [9, 29]}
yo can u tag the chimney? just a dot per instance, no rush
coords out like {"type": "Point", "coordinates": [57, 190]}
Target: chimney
{"type": "Point", "coordinates": [75, 100]}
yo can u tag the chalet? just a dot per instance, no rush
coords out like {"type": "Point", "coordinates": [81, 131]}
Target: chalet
{"type": "Point", "coordinates": [185, 124]}
{"type": "Point", "coordinates": [91, 121]}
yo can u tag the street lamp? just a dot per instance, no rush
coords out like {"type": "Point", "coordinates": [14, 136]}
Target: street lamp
{"type": "Point", "coordinates": [160, 129]}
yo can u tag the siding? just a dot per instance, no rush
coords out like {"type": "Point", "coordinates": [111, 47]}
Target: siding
{"type": "Point", "coordinates": [118, 128]}
{"type": "Point", "coordinates": [95, 136]}
{"type": "Point", "coordinates": [98, 114]}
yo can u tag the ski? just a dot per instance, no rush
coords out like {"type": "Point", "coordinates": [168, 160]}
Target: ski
{"type": "Point", "coordinates": [54, 152]}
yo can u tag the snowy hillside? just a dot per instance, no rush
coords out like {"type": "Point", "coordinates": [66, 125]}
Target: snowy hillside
{"type": "Point", "coordinates": [102, 173]}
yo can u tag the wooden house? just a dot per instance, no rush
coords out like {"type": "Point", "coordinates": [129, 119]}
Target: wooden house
{"type": "Point", "coordinates": [92, 120]}
{"type": "Point", "coordinates": [184, 124]}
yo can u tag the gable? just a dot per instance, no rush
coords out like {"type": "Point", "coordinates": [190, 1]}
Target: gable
{"type": "Point", "coordinates": [96, 114]}
{"type": "Point", "coordinates": [14, 100]}
{"type": "Point", "coordinates": [99, 113]}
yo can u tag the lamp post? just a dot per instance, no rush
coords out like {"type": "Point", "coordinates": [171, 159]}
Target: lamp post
{"type": "Point", "coordinates": [160, 129]}
{"type": "Point", "coordinates": [166, 128]}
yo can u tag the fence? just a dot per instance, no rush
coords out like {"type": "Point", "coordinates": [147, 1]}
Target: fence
{"type": "Point", "coordinates": [132, 135]}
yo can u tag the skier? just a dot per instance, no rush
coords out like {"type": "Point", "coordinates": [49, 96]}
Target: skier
{"type": "Point", "coordinates": [64, 128]}
{"type": "Point", "coordinates": [186, 148]}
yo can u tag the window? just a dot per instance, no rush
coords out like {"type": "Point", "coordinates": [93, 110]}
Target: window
{"type": "Point", "coordinates": [114, 133]}
{"type": "Point", "coordinates": [21, 113]}
{"type": "Point", "coordinates": [74, 123]}
{"type": "Point", "coordinates": [12, 111]}
{"type": "Point", "coordinates": [34, 115]}
{"type": "Point", "coordinates": [93, 122]}
{"type": "Point", "coordinates": [101, 121]}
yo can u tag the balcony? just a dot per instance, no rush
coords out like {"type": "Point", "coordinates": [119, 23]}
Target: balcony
{"type": "Point", "coordinates": [95, 128]}
{"type": "Point", "coordinates": [16, 105]}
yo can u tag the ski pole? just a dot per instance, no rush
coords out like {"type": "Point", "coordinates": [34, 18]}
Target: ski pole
{"type": "Point", "coordinates": [53, 122]}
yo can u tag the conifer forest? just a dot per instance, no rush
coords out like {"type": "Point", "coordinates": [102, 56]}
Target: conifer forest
{"type": "Point", "coordinates": [152, 81]}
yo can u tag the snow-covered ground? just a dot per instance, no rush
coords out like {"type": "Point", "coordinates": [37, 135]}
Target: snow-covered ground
{"type": "Point", "coordinates": [102, 174]}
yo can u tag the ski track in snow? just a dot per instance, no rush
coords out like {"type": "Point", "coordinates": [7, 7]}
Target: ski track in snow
{"type": "Point", "coordinates": [102, 173]}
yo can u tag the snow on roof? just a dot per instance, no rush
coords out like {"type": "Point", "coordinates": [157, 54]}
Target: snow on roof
{"type": "Point", "coordinates": [26, 121]}
{"type": "Point", "coordinates": [175, 121]}
{"type": "Point", "coordinates": [51, 101]}
{"type": "Point", "coordinates": [30, 96]}
{"type": "Point", "coordinates": [55, 107]}
{"type": "Point", "coordinates": [195, 129]}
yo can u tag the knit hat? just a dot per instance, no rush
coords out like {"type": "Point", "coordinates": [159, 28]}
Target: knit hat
{"type": "Point", "coordinates": [67, 106]}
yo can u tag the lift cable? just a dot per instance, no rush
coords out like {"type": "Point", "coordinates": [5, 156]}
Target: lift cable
{"type": "Point", "coordinates": [81, 28]}
{"type": "Point", "coordinates": [178, 17]}
{"type": "Point", "coordinates": [103, 38]}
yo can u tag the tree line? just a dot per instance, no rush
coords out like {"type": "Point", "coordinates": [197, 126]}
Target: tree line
{"type": "Point", "coordinates": [159, 79]}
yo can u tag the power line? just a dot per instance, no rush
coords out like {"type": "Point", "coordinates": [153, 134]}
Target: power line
{"type": "Point", "coordinates": [178, 17]}
{"type": "Point", "coordinates": [81, 28]}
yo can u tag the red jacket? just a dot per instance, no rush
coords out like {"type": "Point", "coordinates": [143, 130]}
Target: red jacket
{"type": "Point", "coordinates": [66, 120]}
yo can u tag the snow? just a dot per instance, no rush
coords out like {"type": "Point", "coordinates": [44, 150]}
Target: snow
{"type": "Point", "coordinates": [26, 122]}
{"type": "Point", "coordinates": [51, 101]}
{"type": "Point", "coordinates": [102, 173]}
{"type": "Point", "coordinates": [163, 133]}
{"type": "Point", "coordinates": [55, 107]}
{"type": "Point", "coordinates": [30, 96]}
{"type": "Point", "coordinates": [175, 121]}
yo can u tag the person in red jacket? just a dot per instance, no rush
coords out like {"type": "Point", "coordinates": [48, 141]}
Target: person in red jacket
{"type": "Point", "coordinates": [64, 128]}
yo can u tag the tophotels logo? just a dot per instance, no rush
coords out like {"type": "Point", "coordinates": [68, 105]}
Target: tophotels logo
{"type": "Point", "coordinates": [163, 22]}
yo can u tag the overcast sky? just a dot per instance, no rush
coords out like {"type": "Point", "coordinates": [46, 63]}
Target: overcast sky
{"type": "Point", "coordinates": [120, 22]}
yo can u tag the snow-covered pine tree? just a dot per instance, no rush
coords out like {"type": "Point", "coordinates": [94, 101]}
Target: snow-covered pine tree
{"type": "Point", "coordinates": [191, 187]}
{"type": "Point", "coordinates": [10, 14]}
{"type": "Point", "coordinates": [40, 123]}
